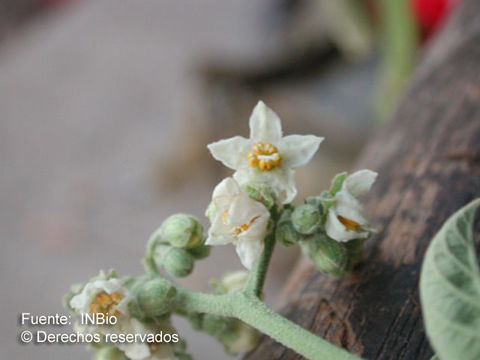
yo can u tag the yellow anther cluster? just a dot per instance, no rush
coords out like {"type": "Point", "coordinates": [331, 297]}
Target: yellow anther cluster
{"type": "Point", "coordinates": [104, 303]}
{"type": "Point", "coordinates": [265, 156]}
{"type": "Point", "coordinates": [350, 224]}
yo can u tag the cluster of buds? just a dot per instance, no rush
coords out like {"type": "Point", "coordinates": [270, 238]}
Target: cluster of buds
{"type": "Point", "coordinates": [177, 244]}
{"type": "Point", "coordinates": [332, 227]}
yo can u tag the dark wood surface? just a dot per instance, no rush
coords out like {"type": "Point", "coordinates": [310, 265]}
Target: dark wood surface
{"type": "Point", "coordinates": [428, 160]}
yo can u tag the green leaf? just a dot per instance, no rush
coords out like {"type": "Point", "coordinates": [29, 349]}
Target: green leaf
{"type": "Point", "coordinates": [450, 289]}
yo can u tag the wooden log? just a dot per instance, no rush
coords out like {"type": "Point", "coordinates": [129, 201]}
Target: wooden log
{"type": "Point", "coordinates": [428, 160]}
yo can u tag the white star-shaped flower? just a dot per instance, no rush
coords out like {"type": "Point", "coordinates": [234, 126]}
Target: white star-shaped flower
{"type": "Point", "coordinates": [237, 219]}
{"type": "Point", "coordinates": [266, 157]}
{"type": "Point", "coordinates": [346, 219]}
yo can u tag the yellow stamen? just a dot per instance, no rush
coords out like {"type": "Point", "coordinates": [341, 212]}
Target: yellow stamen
{"type": "Point", "coordinates": [350, 224]}
{"type": "Point", "coordinates": [265, 156]}
{"type": "Point", "coordinates": [104, 303]}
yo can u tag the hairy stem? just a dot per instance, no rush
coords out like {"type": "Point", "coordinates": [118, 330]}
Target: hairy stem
{"type": "Point", "coordinates": [255, 313]}
{"type": "Point", "coordinates": [259, 270]}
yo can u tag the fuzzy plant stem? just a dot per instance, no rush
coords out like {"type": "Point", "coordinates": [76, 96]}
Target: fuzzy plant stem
{"type": "Point", "coordinates": [254, 312]}
{"type": "Point", "coordinates": [254, 285]}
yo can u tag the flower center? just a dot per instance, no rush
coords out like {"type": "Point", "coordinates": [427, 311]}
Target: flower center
{"type": "Point", "coordinates": [265, 156]}
{"type": "Point", "coordinates": [350, 224]}
{"type": "Point", "coordinates": [104, 303]}
{"type": "Point", "coordinates": [236, 230]}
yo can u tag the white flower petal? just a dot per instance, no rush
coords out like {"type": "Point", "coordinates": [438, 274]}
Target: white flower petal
{"type": "Point", "coordinates": [336, 230]}
{"type": "Point", "coordinates": [231, 152]}
{"type": "Point", "coordinates": [218, 239]}
{"type": "Point", "coordinates": [257, 230]}
{"type": "Point", "coordinates": [249, 252]}
{"type": "Point", "coordinates": [223, 193]}
{"type": "Point", "coordinates": [297, 150]}
{"type": "Point", "coordinates": [218, 234]}
{"type": "Point", "coordinates": [243, 209]}
{"type": "Point", "coordinates": [350, 208]}
{"type": "Point", "coordinates": [360, 182]}
{"type": "Point", "coordinates": [284, 185]}
{"type": "Point", "coordinates": [265, 125]}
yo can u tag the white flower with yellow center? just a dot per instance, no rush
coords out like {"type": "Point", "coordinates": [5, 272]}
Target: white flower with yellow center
{"type": "Point", "coordinates": [237, 219]}
{"type": "Point", "coordinates": [346, 219]}
{"type": "Point", "coordinates": [110, 297]}
{"type": "Point", "coordinates": [266, 157]}
{"type": "Point", "coordinates": [107, 296]}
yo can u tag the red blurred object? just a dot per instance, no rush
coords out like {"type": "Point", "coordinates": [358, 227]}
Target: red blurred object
{"type": "Point", "coordinates": [432, 13]}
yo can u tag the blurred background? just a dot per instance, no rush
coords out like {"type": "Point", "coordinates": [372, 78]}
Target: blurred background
{"type": "Point", "coordinates": [106, 107]}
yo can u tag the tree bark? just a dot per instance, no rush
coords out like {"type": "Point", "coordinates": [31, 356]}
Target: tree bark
{"type": "Point", "coordinates": [428, 160]}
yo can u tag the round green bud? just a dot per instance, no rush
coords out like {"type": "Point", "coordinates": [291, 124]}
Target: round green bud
{"type": "Point", "coordinates": [109, 353]}
{"type": "Point", "coordinates": [155, 297]}
{"type": "Point", "coordinates": [306, 219]}
{"type": "Point", "coordinates": [328, 255]}
{"type": "Point", "coordinates": [178, 262]}
{"type": "Point", "coordinates": [182, 231]}
{"type": "Point", "coordinates": [200, 251]}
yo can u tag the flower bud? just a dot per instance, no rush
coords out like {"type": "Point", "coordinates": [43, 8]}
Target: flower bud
{"type": "Point", "coordinates": [178, 262]}
{"type": "Point", "coordinates": [285, 232]}
{"type": "Point", "coordinates": [306, 219]}
{"type": "Point", "coordinates": [155, 297]}
{"type": "Point", "coordinates": [109, 353]}
{"type": "Point", "coordinates": [182, 231]}
{"type": "Point", "coordinates": [328, 255]}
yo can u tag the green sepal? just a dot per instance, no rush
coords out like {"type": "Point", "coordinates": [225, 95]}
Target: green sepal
{"type": "Point", "coordinates": [337, 183]}
{"type": "Point", "coordinates": [199, 252]}
{"type": "Point", "coordinates": [261, 193]}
